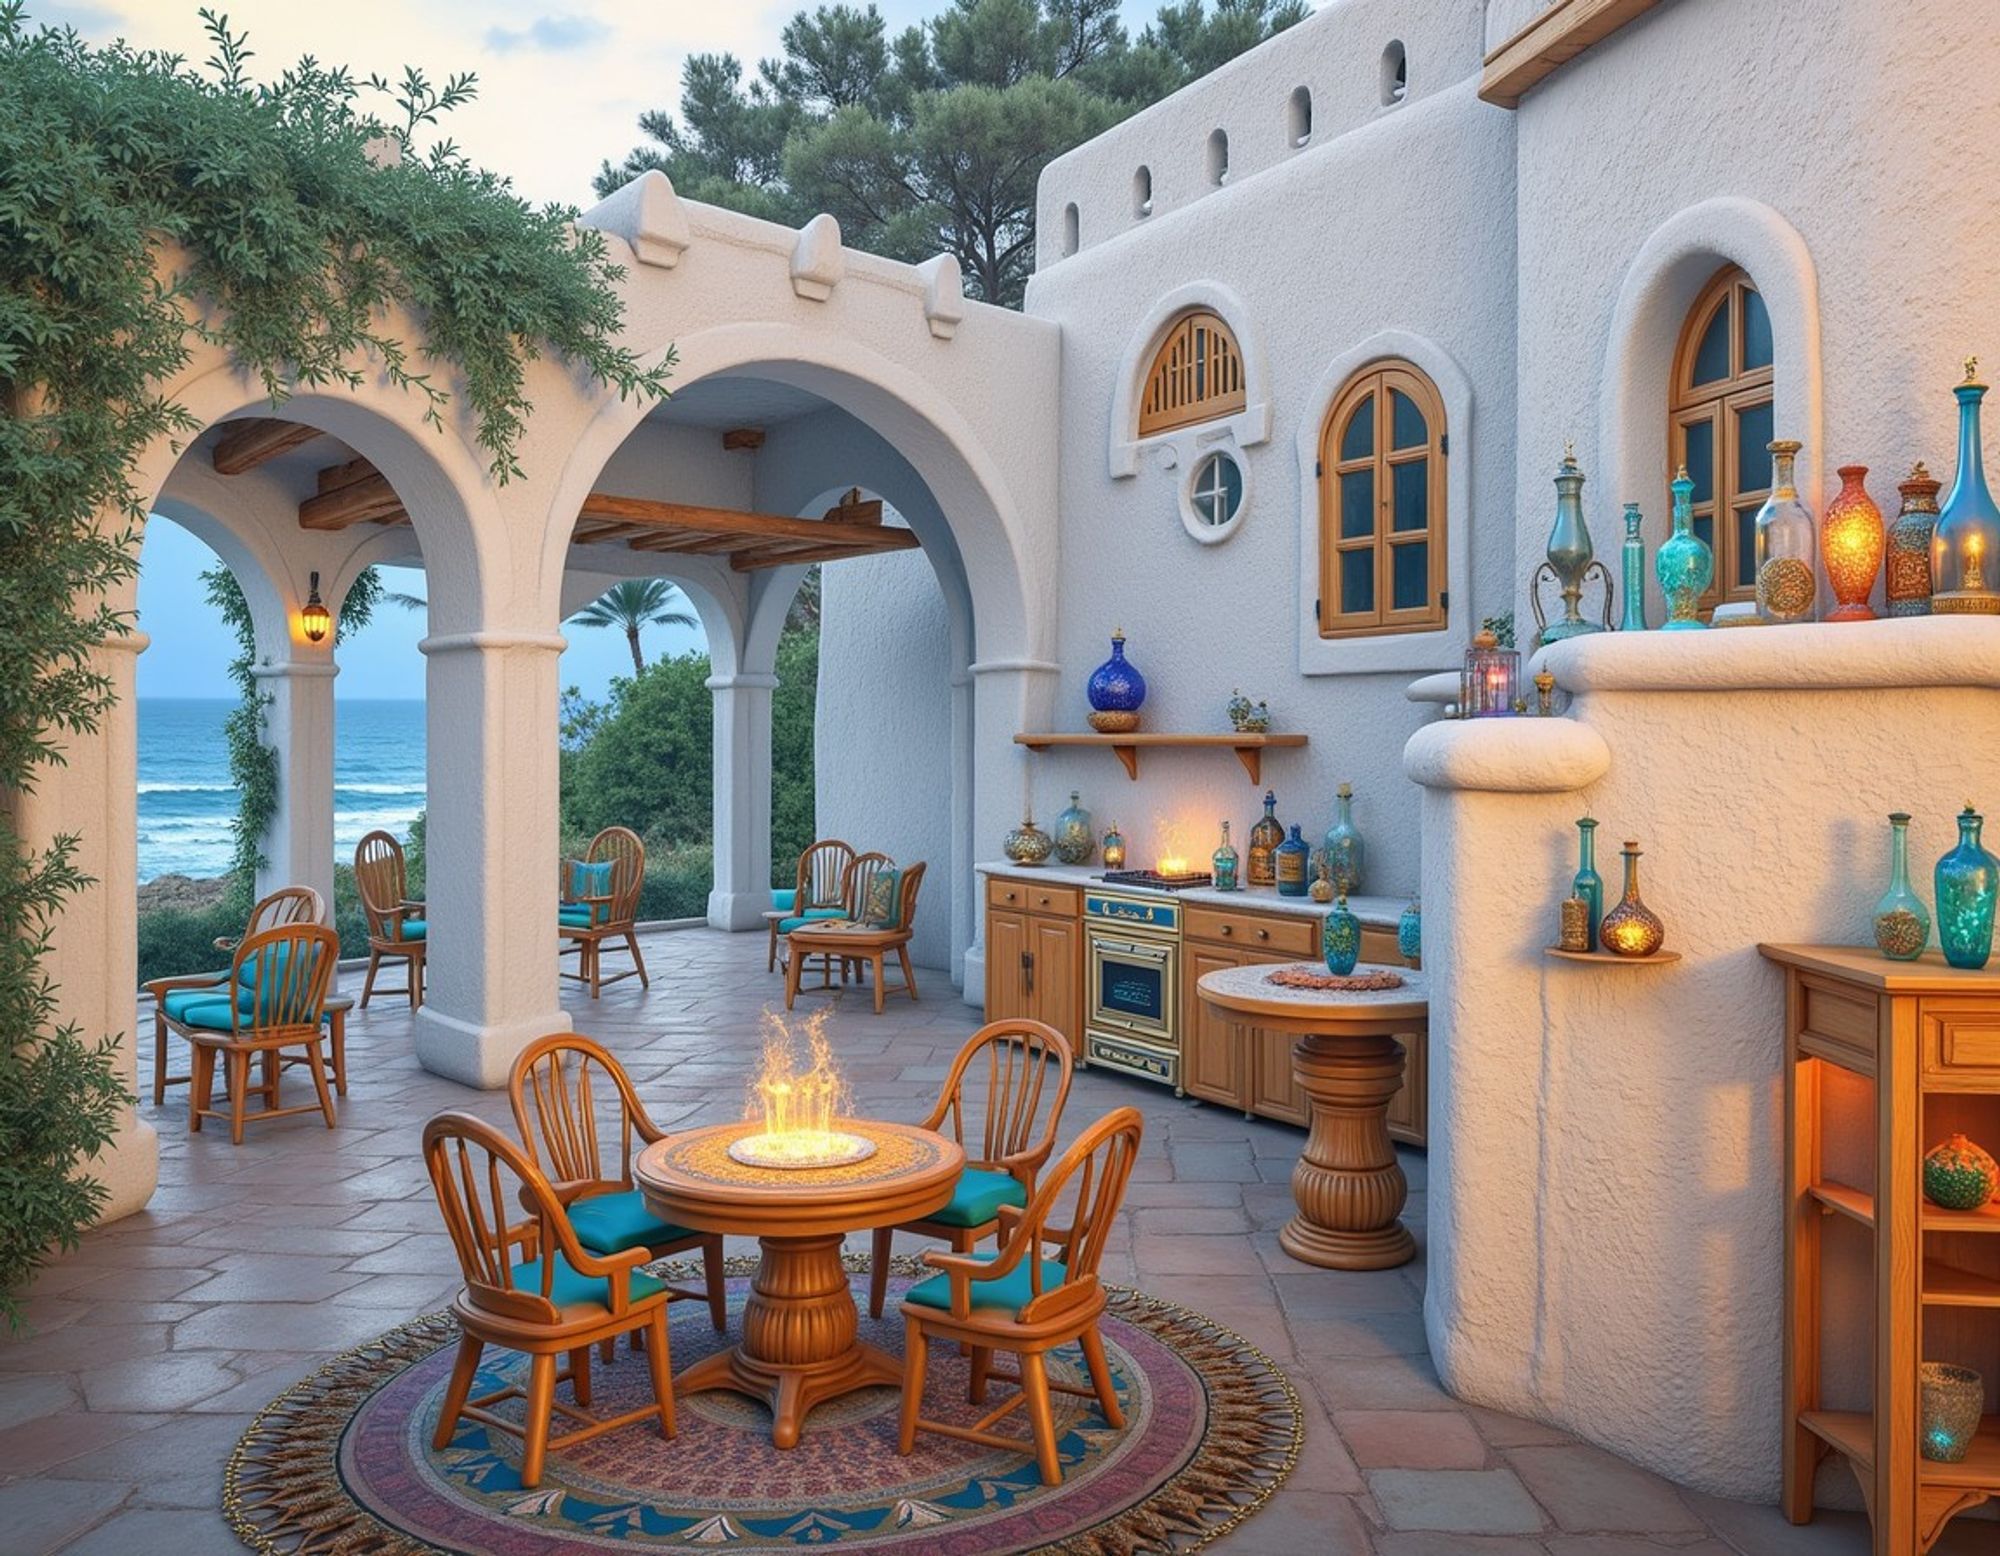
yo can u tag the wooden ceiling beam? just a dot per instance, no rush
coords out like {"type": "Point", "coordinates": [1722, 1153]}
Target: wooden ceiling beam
{"type": "Point", "coordinates": [750, 561]}
{"type": "Point", "coordinates": [244, 445]}
{"type": "Point", "coordinates": [715, 521]}
{"type": "Point", "coordinates": [370, 499]}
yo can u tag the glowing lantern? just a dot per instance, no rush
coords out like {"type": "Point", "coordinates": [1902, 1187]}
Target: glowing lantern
{"type": "Point", "coordinates": [1850, 543]}
{"type": "Point", "coordinates": [1490, 672]}
{"type": "Point", "coordinates": [315, 620]}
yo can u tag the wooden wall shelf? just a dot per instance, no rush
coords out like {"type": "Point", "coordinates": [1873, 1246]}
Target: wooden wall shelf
{"type": "Point", "coordinates": [1249, 749]}
{"type": "Point", "coordinates": [1610, 959]}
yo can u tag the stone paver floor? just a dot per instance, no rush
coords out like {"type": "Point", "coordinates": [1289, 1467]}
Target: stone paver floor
{"type": "Point", "coordinates": [156, 1342]}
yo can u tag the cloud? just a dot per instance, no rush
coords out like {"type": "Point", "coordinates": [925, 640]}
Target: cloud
{"type": "Point", "coordinates": [552, 34]}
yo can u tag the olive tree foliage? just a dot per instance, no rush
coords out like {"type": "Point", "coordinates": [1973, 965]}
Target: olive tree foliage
{"type": "Point", "coordinates": [931, 141]}
{"type": "Point", "coordinates": [148, 208]}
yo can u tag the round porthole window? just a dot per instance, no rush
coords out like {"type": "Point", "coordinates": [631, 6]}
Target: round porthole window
{"type": "Point", "coordinates": [1212, 501]}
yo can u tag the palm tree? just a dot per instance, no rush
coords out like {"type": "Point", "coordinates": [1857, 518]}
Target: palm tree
{"type": "Point", "coordinates": [636, 603]}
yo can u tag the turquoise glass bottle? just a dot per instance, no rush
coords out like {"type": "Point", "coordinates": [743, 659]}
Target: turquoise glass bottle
{"type": "Point", "coordinates": [1968, 882]}
{"type": "Point", "coordinates": [1410, 932]}
{"type": "Point", "coordinates": [1291, 861]}
{"type": "Point", "coordinates": [1588, 884]}
{"type": "Point", "coordinates": [1343, 844]}
{"type": "Point", "coordinates": [1902, 924]}
{"type": "Point", "coordinates": [1965, 547]}
{"type": "Point", "coordinates": [1075, 840]}
{"type": "Point", "coordinates": [1633, 558]}
{"type": "Point", "coordinates": [1223, 863]}
{"type": "Point", "coordinates": [1340, 938]}
{"type": "Point", "coordinates": [1684, 564]}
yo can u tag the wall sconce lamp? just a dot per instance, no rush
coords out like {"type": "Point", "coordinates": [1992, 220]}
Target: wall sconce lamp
{"type": "Point", "coordinates": [315, 620]}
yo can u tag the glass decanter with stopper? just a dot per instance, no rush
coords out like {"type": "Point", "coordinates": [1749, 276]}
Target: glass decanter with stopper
{"type": "Point", "coordinates": [1265, 837]}
{"type": "Point", "coordinates": [1684, 564]}
{"type": "Point", "coordinates": [1965, 546]}
{"type": "Point", "coordinates": [1902, 925]}
{"type": "Point", "coordinates": [1222, 864]}
{"type": "Point", "coordinates": [1787, 581]}
{"type": "Point", "coordinates": [1343, 844]}
{"type": "Point", "coordinates": [1967, 882]}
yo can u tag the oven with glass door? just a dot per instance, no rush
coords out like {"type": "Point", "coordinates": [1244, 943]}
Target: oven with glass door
{"type": "Point", "coordinates": [1132, 953]}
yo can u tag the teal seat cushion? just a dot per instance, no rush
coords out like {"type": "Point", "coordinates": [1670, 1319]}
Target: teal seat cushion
{"type": "Point", "coordinates": [783, 900]}
{"type": "Point", "coordinates": [589, 880]}
{"type": "Point", "coordinates": [810, 916]}
{"type": "Point", "coordinates": [978, 1196]}
{"type": "Point", "coordinates": [611, 1223]}
{"type": "Point", "coordinates": [411, 929]}
{"type": "Point", "coordinates": [176, 1001]}
{"type": "Point", "coordinates": [1009, 1294]}
{"type": "Point", "coordinates": [573, 918]}
{"type": "Point", "coordinates": [570, 1288]}
{"type": "Point", "coordinates": [211, 1012]}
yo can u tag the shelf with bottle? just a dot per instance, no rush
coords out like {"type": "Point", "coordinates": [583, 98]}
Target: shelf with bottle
{"type": "Point", "coordinates": [1249, 748]}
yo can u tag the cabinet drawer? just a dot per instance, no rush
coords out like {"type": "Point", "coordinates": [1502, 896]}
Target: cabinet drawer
{"type": "Point", "coordinates": [1284, 933]}
{"type": "Point", "coordinates": [1379, 946]}
{"type": "Point", "coordinates": [1033, 897]}
{"type": "Point", "coordinates": [1838, 1022]}
{"type": "Point", "coordinates": [1961, 1039]}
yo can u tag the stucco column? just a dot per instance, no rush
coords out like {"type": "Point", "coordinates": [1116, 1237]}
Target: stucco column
{"type": "Point", "coordinates": [299, 726]}
{"type": "Point", "coordinates": [93, 959]}
{"type": "Point", "coordinates": [1008, 696]}
{"type": "Point", "coordinates": [490, 887]}
{"type": "Point", "coordinates": [742, 890]}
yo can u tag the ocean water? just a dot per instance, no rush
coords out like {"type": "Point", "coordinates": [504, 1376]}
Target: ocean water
{"type": "Point", "coordinates": [186, 800]}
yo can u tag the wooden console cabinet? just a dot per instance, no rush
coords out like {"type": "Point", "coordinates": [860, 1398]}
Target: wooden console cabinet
{"type": "Point", "coordinates": [1034, 955]}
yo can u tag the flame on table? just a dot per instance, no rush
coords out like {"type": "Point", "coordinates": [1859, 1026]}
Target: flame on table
{"type": "Point", "coordinates": [1172, 857]}
{"type": "Point", "coordinates": [798, 1107]}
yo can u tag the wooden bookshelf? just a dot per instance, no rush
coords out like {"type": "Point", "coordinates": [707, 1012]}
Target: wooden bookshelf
{"type": "Point", "coordinates": [1882, 1059]}
{"type": "Point", "coordinates": [1249, 749]}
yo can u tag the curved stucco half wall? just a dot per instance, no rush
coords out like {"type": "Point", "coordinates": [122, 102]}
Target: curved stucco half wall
{"type": "Point", "coordinates": [1606, 1219]}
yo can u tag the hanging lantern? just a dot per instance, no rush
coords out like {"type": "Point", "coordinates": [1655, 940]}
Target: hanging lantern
{"type": "Point", "coordinates": [1490, 673]}
{"type": "Point", "coordinates": [315, 620]}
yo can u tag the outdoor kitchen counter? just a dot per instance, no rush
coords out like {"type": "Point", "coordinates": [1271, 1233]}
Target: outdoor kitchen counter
{"type": "Point", "coordinates": [1378, 912]}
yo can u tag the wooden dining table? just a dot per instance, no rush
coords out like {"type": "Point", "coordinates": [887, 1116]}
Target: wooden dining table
{"type": "Point", "coordinates": [800, 1343]}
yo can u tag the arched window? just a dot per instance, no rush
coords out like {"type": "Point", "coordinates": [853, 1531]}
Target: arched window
{"type": "Point", "coordinates": [1720, 421]}
{"type": "Point", "coordinates": [1142, 191]}
{"type": "Point", "coordinates": [1395, 74]}
{"type": "Point", "coordinates": [1382, 505]}
{"type": "Point", "coordinates": [1218, 157]}
{"type": "Point", "coordinates": [1071, 233]}
{"type": "Point", "coordinates": [1196, 376]}
{"type": "Point", "coordinates": [1299, 116]}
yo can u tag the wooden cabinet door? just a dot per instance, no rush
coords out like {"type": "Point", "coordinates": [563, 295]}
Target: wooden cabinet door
{"type": "Point", "coordinates": [1410, 1108]}
{"type": "Point", "coordinates": [1006, 975]}
{"type": "Point", "coordinates": [1054, 976]}
{"type": "Point", "coordinates": [1214, 1052]}
{"type": "Point", "coordinates": [1275, 1092]}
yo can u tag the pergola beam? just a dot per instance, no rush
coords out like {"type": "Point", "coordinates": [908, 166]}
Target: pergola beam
{"type": "Point", "coordinates": [248, 444]}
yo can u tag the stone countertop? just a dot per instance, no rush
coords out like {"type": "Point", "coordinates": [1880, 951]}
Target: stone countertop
{"type": "Point", "coordinates": [1376, 912]}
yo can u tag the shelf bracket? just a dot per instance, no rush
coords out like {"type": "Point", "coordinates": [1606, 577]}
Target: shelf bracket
{"type": "Point", "coordinates": [1252, 758]}
{"type": "Point", "coordinates": [1129, 755]}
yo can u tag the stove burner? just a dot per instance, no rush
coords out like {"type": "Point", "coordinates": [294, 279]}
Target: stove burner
{"type": "Point", "coordinates": [1153, 880]}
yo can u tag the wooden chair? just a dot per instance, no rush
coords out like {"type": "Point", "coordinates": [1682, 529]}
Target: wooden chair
{"type": "Point", "coordinates": [821, 892]}
{"type": "Point", "coordinates": [1021, 1301]}
{"type": "Point", "coordinates": [858, 943]}
{"type": "Point", "coordinates": [862, 871]}
{"type": "Point", "coordinates": [276, 1000]}
{"type": "Point", "coordinates": [287, 905]}
{"type": "Point", "coordinates": [556, 1300]}
{"type": "Point", "coordinates": [1014, 1139]}
{"type": "Point", "coordinates": [589, 918]}
{"type": "Point", "coordinates": [397, 930]}
{"type": "Point", "coordinates": [560, 1087]}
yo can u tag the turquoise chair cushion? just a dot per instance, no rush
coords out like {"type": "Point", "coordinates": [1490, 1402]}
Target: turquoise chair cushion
{"type": "Point", "coordinates": [573, 918]}
{"type": "Point", "coordinates": [611, 1223]}
{"type": "Point", "coordinates": [1009, 1294]}
{"type": "Point", "coordinates": [411, 929]}
{"type": "Point", "coordinates": [273, 959]}
{"type": "Point", "coordinates": [978, 1196]}
{"type": "Point", "coordinates": [211, 1013]}
{"type": "Point", "coordinates": [810, 916]}
{"type": "Point", "coordinates": [177, 1001]}
{"type": "Point", "coordinates": [589, 880]}
{"type": "Point", "coordinates": [571, 1288]}
{"type": "Point", "coordinates": [783, 900]}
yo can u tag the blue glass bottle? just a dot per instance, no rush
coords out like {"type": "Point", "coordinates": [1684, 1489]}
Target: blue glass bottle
{"type": "Point", "coordinates": [1116, 686]}
{"type": "Point", "coordinates": [1410, 932]}
{"type": "Point", "coordinates": [1633, 559]}
{"type": "Point", "coordinates": [1588, 884]}
{"type": "Point", "coordinates": [1968, 882]}
{"type": "Point", "coordinates": [1684, 565]}
{"type": "Point", "coordinates": [1340, 939]}
{"type": "Point", "coordinates": [1343, 844]}
{"type": "Point", "coordinates": [1292, 858]}
{"type": "Point", "coordinates": [1965, 546]}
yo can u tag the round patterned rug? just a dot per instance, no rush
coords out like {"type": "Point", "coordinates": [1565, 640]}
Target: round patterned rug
{"type": "Point", "coordinates": [342, 1462]}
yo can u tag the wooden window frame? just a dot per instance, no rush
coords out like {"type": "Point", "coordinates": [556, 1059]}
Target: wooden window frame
{"type": "Point", "coordinates": [1720, 402]}
{"type": "Point", "coordinates": [1197, 375]}
{"type": "Point", "coordinates": [1378, 379]}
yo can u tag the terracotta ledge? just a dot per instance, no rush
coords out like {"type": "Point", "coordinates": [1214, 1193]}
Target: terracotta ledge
{"type": "Point", "coordinates": [1507, 756]}
{"type": "Point", "coordinates": [1916, 651]}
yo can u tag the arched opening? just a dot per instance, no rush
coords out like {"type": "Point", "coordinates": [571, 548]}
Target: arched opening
{"type": "Point", "coordinates": [1142, 192]}
{"type": "Point", "coordinates": [1218, 157]}
{"type": "Point", "coordinates": [1196, 375]}
{"type": "Point", "coordinates": [1071, 234]}
{"type": "Point", "coordinates": [1395, 73]}
{"type": "Point", "coordinates": [1299, 117]}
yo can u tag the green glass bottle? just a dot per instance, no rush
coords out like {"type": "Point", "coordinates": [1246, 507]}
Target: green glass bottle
{"type": "Point", "coordinates": [1902, 925]}
{"type": "Point", "coordinates": [1343, 844]}
{"type": "Point", "coordinates": [1633, 559]}
{"type": "Point", "coordinates": [1588, 884]}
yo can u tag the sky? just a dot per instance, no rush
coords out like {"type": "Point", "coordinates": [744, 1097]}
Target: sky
{"type": "Point", "coordinates": [561, 87]}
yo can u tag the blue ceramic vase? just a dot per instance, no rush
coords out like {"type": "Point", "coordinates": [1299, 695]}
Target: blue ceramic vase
{"type": "Point", "coordinates": [1340, 939]}
{"type": "Point", "coordinates": [1968, 881]}
{"type": "Point", "coordinates": [1116, 686]}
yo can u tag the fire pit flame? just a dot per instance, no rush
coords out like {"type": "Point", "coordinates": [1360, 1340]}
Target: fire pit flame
{"type": "Point", "coordinates": [799, 1108]}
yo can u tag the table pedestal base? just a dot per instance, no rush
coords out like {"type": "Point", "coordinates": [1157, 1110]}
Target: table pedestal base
{"type": "Point", "coordinates": [800, 1342]}
{"type": "Point", "coordinates": [1347, 1182]}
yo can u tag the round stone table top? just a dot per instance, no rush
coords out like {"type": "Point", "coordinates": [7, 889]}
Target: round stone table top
{"type": "Point", "coordinates": [691, 1179]}
{"type": "Point", "coordinates": [1249, 991]}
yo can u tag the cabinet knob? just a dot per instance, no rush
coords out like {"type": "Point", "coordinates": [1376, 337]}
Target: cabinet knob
{"type": "Point", "coordinates": [1263, 934]}
{"type": "Point", "coordinates": [1228, 929]}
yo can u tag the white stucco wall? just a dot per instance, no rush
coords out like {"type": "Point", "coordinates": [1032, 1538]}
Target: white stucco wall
{"type": "Point", "coordinates": [884, 728]}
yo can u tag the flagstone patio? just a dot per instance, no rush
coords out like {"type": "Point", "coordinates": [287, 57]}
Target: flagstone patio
{"type": "Point", "coordinates": [156, 1342]}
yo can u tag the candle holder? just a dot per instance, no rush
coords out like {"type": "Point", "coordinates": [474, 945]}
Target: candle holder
{"type": "Point", "coordinates": [1575, 935]}
{"type": "Point", "coordinates": [1631, 928]}
{"type": "Point", "coordinates": [1850, 542]}
{"type": "Point", "coordinates": [1545, 693]}
{"type": "Point", "coordinates": [1490, 674]}
{"type": "Point", "coordinates": [1952, 1400]}
{"type": "Point", "coordinates": [1569, 565]}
